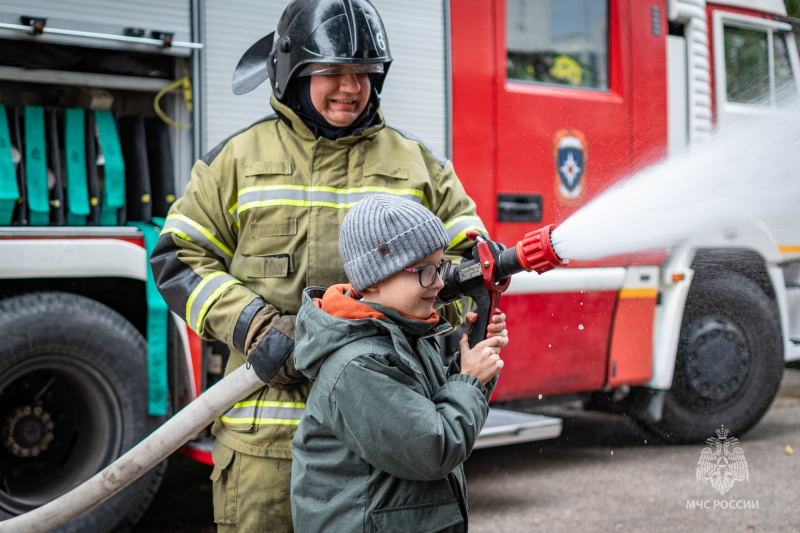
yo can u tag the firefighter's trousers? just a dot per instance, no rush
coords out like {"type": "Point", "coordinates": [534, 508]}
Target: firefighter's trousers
{"type": "Point", "coordinates": [251, 494]}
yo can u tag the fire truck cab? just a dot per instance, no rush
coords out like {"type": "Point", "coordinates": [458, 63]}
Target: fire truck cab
{"type": "Point", "coordinates": [540, 104]}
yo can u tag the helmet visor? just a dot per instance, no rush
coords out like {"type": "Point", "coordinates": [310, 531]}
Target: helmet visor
{"type": "Point", "coordinates": [337, 69]}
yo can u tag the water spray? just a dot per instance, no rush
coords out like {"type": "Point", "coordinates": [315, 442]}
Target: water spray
{"type": "Point", "coordinates": [747, 174]}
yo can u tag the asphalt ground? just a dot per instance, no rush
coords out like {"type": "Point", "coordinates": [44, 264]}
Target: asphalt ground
{"type": "Point", "coordinates": [601, 475]}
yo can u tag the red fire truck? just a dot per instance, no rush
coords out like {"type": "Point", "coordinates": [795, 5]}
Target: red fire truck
{"type": "Point", "coordinates": [541, 105]}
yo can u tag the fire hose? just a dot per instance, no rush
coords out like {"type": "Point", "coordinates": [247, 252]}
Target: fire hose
{"type": "Point", "coordinates": [484, 277]}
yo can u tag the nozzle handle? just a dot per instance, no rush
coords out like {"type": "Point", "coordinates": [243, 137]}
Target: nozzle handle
{"type": "Point", "coordinates": [486, 303]}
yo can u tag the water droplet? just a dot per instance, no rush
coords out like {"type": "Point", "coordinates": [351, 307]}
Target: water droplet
{"type": "Point", "coordinates": [580, 326]}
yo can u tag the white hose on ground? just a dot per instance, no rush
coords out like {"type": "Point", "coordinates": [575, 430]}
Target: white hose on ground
{"type": "Point", "coordinates": [138, 460]}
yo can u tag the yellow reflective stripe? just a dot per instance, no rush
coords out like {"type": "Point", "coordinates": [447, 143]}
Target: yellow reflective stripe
{"type": "Point", "coordinates": [207, 234]}
{"type": "Point", "coordinates": [213, 298]}
{"type": "Point", "coordinates": [269, 403]}
{"type": "Point", "coordinates": [462, 236]}
{"type": "Point", "coordinates": [458, 227]}
{"type": "Point", "coordinates": [334, 190]}
{"type": "Point", "coordinates": [788, 249]}
{"type": "Point", "coordinates": [453, 221]}
{"type": "Point", "coordinates": [275, 188]}
{"type": "Point", "coordinates": [177, 232]}
{"type": "Point", "coordinates": [200, 291]}
{"type": "Point", "coordinates": [638, 293]}
{"type": "Point", "coordinates": [259, 421]}
{"type": "Point", "coordinates": [298, 202]}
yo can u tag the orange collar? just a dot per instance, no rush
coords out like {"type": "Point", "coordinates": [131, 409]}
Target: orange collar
{"type": "Point", "coordinates": [336, 302]}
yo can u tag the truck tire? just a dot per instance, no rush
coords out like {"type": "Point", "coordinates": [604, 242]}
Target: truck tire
{"type": "Point", "coordinates": [73, 377]}
{"type": "Point", "coordinates": [729, 363]}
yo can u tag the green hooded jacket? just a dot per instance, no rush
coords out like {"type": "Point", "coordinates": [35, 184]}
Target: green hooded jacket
{"type": "Point", "coordinates": [387, 426]}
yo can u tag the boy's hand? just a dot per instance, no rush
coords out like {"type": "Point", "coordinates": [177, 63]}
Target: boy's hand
{"type": "Point", "coordinates": [483, 361]}
{"type": "Point", "coordinates": [497, 327]}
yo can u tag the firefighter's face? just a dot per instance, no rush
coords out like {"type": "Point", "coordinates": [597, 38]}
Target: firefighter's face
{"type": "Point", "coordinates": [404, 292]}
{"type": "Point", "coordinates": [340, 98]}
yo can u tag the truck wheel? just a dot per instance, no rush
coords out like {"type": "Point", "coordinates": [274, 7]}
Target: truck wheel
{"type": "Point", "coordinates": [73, 398]}
{"type": "Point", "coordinates": [729, 362]}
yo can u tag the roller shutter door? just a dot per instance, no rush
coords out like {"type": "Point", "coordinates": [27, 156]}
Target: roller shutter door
{"type": "Point", "coordinates": [414, 97]}
{"type": "Point", "coordinates": [102, 16]}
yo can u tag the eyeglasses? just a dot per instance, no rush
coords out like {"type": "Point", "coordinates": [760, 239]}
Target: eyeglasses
{"type": "Point", "coordinates": [427, 273]}
{"type": "Point", "coordinates": [336, 69]}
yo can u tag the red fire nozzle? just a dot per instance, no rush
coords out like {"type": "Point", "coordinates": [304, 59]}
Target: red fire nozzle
{"type": "Point", "coordinates": [535, 252]}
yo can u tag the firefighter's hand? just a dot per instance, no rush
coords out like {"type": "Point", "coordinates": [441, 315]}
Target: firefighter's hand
{"type": "Point", "coordinates": [483, 361]}
{"type": "Point", "coordinates": [270, 342]}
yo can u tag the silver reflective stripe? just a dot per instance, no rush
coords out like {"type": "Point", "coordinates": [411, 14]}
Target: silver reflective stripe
{"type": "Point", "coordinates": [261, 412]}
{"type": "Point", "coordinates": [299, 196]}
{"type": "Point", "coordinates": [206, 293]}
{"type": "Point", "coordinates": [457, 228]}
{"type": "Point", "coordinates": [189, 230]}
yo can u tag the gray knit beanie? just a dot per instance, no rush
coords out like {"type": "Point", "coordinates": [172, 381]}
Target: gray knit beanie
{"type": "Point", "coordinates": [383, 234]}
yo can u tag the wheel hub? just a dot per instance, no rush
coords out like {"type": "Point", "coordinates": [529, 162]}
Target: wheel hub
{"type": "Point", "coordinates": [28, 431]}
{"type": "Point", "coordinates": [717, 359]}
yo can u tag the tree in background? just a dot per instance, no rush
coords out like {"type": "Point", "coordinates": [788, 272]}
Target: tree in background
{"type": "Point", "coordinates": [793, 8]}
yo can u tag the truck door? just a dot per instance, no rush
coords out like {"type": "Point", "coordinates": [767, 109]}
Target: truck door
{"type": "Point", "coordinates": [562, 107]}
{"type": "Point", "coordinates": [575, 106]}
{"type": "Point", "coordinates": [562, 136]}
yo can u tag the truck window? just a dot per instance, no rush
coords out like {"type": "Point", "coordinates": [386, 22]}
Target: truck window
{"type": "Point", "coordinates": [562, 42]}
{"type": "Point", "coordinates": [752, 76]}
{"type": "Point", "coordinates": [747, 66]}
{"type": "Point", "coordinates": [784, 79]}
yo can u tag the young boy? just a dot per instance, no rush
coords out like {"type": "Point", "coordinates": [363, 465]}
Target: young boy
{"type": "Point", "coordinates": [387, 427]}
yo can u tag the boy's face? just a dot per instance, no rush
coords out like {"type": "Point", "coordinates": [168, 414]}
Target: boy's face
{"type": "Point", "coordinates": [404, 293]}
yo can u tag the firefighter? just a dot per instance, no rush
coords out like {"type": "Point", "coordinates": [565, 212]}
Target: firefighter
{"type": "Point", "coordinates": [259, 221]}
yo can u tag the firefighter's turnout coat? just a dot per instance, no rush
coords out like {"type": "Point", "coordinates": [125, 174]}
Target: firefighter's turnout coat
{"type": "Point", "coordinates": [259, 221]}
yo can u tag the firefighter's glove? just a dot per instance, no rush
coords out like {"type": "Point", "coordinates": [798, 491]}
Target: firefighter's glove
{"type": "Point", "coordinates": [270, 344]}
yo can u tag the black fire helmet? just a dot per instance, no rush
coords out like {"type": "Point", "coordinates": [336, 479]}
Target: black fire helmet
{"type": "Point", "coordinates": [315, 31]}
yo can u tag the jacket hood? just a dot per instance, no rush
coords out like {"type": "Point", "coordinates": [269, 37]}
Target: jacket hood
{"type": "Point", "coordinates": [331, 319]}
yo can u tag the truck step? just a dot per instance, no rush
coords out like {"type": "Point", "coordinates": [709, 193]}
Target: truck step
{"type": "Point", "coordinates": [510, 427]}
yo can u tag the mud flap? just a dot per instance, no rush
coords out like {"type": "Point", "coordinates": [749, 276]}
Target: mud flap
{"type": "Point", "coordinates": [644, 404]}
